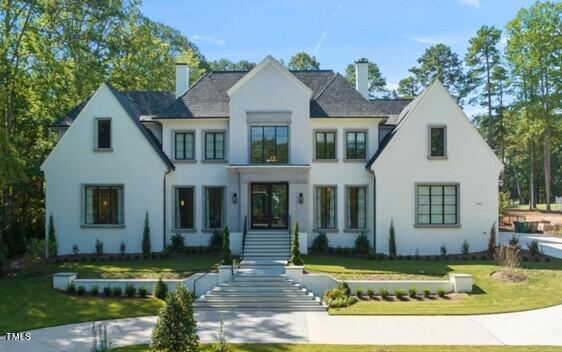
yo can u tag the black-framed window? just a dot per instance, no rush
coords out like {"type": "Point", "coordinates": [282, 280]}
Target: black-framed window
{"type": "Point", "coordinates": [325, 145]}
{"type": "Point", "coordinates": [214, 207]}
{"type": "Point", "coordinates": [214, 145]}
{"type": "Point", "coordinates": [103, 205]}
{"type": "Point", "coordinates": [356, 145]}
{"type": "Point", "coordinates": [437, 142]}
{"type": "Point", "coordinates": [437, 205]}
{"type": "Point", "coordinates": [384, 130]}
{"type": "Point", "coordinates": [326, 207]}
{"type": "Point", "coordinates": [269, 144]}
{"type": "Point", "coordinates": [103, 133]}
{"type": "Point", "coordinates": [184, 145]}
{"type": "Point", "coordinates": [185, 208]}
{"type": "Point", "coordinates": [356, 211]}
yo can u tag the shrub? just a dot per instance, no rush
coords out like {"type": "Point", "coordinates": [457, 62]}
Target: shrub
{"type": "Point", "coordinates": [222, 346]}
{"type": "Point", "coordinates": [52, 238]}
{"type": "Point", "coordinates": [80, 290]}
{"type": "Point", "coordinates": [391, 240]}
{"type": "Point", "coordinates": [117, 291]}
{"type": "Point", "coordinates": [2, 256]}
{"type": "Point", "coordinates": [178, 242]}
{"type": "Point", "coordinates": [35, 250]}
{"type": "Point", "coordinates": [130, 290]}
{"type": "Point", "coordinates": [514, 241]}
{"type": "Point", "coordinates": [142, 292]}
{"type": "Point", "coordinates": [339, 250]}
{"type": "Point", "coordinates": [533, 248]}
{"type": "Point", "coordinates": [362, 244]}
{"type": "Point", "coordinates": [296, 258]}
{"type": "Point", "coordinates": [384, 293]}
{"type": "Point", "coordinates": [492, 241]}
{"type": "Point", "coordinates": [443, 250]}
{"type": "Point", "coordinates": [122, 247]}
{"type": "Point", "coordinates": [508, 257]}
{"type": "Point", "coordinates": [99, 247]}
{"type": "Point", "coordinates": [94, 291]}
{"type": "Point", "coordinates": [146, 245]}
{"type": "Point", "coordinates": [226, 254]}
{"type": "Point", "coordinates": [107, 291]}
{"type": "Point", "coordinates": [160, 289]}
{"type": "Point", "coordinates": [339, 296]}
{"type": "Point", "coordinates": [426, 292]}
{"type": "Point", "coordinates": [75, 249]}
{"type": "Point", "coordinates": [371, 254]}
{"type": "Point", "coordinates": [465, 247]}
{"type": "Point", "coordinates": [215, 243]}
{"type": "Point", "coordinates": [359, 292]}
{"type": "Point", "coordinates": [440, 292]}
{"type": "Point", "coordinates": [370, 292]}
{"type": "Point", "coordinates": [412, 292]}
{"type": "Point", "coordinates": [320, 243]}
{"type": "Point", "coordinates": [71, 289]}
{"type": "Point", "coordinates": [399, 293]}
{"type": "Point", "coordinates": [176, 328]}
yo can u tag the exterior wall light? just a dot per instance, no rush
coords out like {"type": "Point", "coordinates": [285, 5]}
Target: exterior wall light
{"type": "Point", "coordinates": [301, 198]}
{"type": "Point", "coordinates": [234, 197]}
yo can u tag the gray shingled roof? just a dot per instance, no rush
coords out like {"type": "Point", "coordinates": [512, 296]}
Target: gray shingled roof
{"type": "Point", "coordinates": [390, 106]}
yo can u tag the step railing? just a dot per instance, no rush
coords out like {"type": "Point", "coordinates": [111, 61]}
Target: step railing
{"type": "Point", "coordinates": [244, 233]}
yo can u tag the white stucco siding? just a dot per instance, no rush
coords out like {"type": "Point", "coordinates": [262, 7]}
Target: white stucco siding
{"type": "Point", "coordinates": [404, 163]}
{"type": "Point", "coordinates": [133, 163]}
{"type": "Point", "coordinates": [342, 173]}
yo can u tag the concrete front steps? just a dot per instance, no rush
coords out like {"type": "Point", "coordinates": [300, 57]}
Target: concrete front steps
{"type": "Point", "coordinates": [266, 248]}
{"type": "Point", "coordinates": [259, 292]}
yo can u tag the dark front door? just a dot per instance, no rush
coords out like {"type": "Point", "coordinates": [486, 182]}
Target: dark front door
{"type": "Point", "coordinates": [270, 206]}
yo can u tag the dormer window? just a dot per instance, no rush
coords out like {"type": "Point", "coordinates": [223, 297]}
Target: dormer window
{"type": "Point", "coordinates": [437, 142]}
{"type": "Point", "coordinates": [103, 134]}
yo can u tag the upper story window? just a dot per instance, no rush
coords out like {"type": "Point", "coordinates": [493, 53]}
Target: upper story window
{"type": "Point", "coordinates": [269, 144]}
{"type": "Point", "coordinates": [103, 205]}
{"type": "Point", "coordinates": [437, 205]}
{"type": "Point", "coordinates": [437, 142]}
{"type": "Point", "coordinates": [184, 143]}
{"type": "Point", "coordinates": [356, 145]}
{"type": "Point", "coordinates": [384, 130]}
{"type": "Point", "coordinates": [214, 146]}
{"type": "Point", "coordinates": [103, 134]}
{"type": "Point", "coordinates": [325, 145]}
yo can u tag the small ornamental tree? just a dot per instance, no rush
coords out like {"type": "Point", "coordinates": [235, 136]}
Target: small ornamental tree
{"type": "Point", "coordinates": [492, 241]}
{"type": "Point", "coordinates": [226, 254]}
{"type": "Point", "coordinates": [176, 328]}
{"type": "Point", "coordinates": [296, 258]}
{"type": "Point", "coordinates": [392, 240]}
{"type": "Point", "coordinates": [146, 246]}
{"type": "Point", "coordinates": [51, 238]}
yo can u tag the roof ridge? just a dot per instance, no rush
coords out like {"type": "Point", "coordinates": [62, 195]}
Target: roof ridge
{"type": "Point", "coordinates": [319, 70]}
{"type": "Point", "coordinates": [321, 91]}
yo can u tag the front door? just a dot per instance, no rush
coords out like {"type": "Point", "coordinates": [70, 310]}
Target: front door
{"type": "Point", "coordinates": [269, 205]}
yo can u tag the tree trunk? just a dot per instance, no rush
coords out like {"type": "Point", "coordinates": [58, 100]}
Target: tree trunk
{"type": "Point", "coordinates": [517, 184]}
{"type": "Point", "coordinates": [489, 89]}
{"type": "Point", "coordinates": [547, 167]}
{"type": "Point", "coordinates": [532, 195]}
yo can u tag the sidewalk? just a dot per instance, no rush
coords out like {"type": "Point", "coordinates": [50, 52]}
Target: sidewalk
{"type": "Point", "coordinates": [537, 327]}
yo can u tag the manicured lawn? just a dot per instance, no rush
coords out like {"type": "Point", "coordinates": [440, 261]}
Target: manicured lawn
{"type": "Point", "coordinates": [553, 206]}
{"type": "Point", "coordinates": [28, 300]}
{"type": "Point", "coordinates": [361, 348]}
{"type": "Point", "coordinates": [543, 287]}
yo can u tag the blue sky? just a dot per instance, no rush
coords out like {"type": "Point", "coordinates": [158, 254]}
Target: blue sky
{"type": "Point", "coordinates": [392, 33]}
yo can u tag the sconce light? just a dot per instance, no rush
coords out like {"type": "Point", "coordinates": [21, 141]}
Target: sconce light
{"type": "Point", "coordinates": [234, 198]}
{"type": "Point", "coordinates": [301, 198]}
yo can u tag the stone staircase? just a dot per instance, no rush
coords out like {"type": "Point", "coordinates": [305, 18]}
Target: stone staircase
{"type": "Point", "coordinates": [266, 248]}
{"type": "Point", "coordinates": [262, 288]}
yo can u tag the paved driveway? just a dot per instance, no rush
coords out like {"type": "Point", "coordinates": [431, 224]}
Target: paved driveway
{"type": "Point", "coordinates": [537, 327]}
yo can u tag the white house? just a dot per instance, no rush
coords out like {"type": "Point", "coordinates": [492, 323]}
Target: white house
{"type": "Point", "coordinates": [266, 149]}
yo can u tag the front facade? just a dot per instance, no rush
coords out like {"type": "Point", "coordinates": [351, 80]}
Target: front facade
{"type": "Point", "coordinates": [267, 149]}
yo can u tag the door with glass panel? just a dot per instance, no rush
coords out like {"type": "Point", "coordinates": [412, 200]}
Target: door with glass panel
{"type": "Point", "coordinates": [269, 205]}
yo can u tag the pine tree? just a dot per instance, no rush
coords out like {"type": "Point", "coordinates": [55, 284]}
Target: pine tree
{"type": "Point", "coordinates": [146, 246]}
{"type": "Point", "coordinates": [296, 258]}
{"type": "Point", "coordinates": [227, 255]}
{"type": "Point", "coordinates": [176, 328]}
{"type": "Point", "coordinates": [52, 246]}
{"type": "Point", "coordinates": [392, 240]}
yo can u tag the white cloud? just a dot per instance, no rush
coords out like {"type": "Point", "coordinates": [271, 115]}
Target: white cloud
{"type": "Point", "coordinates": [325, 32]}
{"type": "Point", "coordinates": [202, 38]}
{"type": "Point", "coordinates": [471, 3]}
{"type": "Point", "coordinates": [429, 40]}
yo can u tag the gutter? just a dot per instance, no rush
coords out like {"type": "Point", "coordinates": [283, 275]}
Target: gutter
{"type": "Point", "coordinates": [374, 211]}
{"type": "Point", "coordinates": [168, 170]}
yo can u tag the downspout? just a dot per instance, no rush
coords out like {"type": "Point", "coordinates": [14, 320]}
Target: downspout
{"type": "Point", "coordinates": [168, 170]}
{"type": "Point", "coordinates": [374, 213]}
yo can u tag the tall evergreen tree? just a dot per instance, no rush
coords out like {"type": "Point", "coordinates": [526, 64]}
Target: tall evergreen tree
{"type": "Point", "coordinates": [377, 83]}
{"type": "Point", "coordinates": [303, 61]}
{"type": "Point", "coordinates": [52, 246]}
{"type": "Point", "coordinates": [146, 244]}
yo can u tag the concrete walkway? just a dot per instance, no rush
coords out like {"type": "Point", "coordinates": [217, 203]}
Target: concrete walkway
{"type": "Point", "coordinates": [537, 327]}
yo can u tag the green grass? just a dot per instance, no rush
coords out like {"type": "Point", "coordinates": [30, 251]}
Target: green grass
{"type": "Point", "coordinates": [359, 348]}
{"type": "Point", "coordinates": [543, 287]}
{"type": "Point", "coordinates": [553, 206]}
{"type": "Point", "coordinates": [28, 300]}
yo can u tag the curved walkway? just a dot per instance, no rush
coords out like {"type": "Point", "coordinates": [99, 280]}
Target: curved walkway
{"type": "Point", "coordinates": [536, 327]}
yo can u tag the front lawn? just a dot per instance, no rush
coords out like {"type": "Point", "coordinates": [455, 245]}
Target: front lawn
{"type": "Point", "coordinates": [28, 300]}
{"type": "Point", "coordinates": [543, 287]}
{"type": "Point", "coordinates": [359, 348]}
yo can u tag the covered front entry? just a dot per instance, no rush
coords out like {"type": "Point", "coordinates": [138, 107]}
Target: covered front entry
{"type": "Point", "coordinates": [269, 205]}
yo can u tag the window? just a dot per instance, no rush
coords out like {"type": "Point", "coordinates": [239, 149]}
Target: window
{"type": "Point", "coordinates": [437, 205]}
{"type": "Point", "coordinates": [356, 145]}
{"type": "Point", "coordinates": [384, 130]}
{"type": "Point", "coordinates": [185, 200]}
{"type": "Point", "coordinates": [104, 205]}
{"type": "Point", "coordinates": [184, 146]}
{"type": "Point", "coordinates": [325, 145]}
{"type": "Point", "coordinates": [214, 146]}
{"type": "Point", "coordinates": [356, 211]}
{"type": "Point", "coordinates": [326, 207]}
{"type": "Point", "coordinates": [214, 205]}
{"type": "Point", "coordinates": [269, 144]}
{"type": "Point", "coordinates": [437, 148]}
{"type": "Point", "coordinates": [103, 131]}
